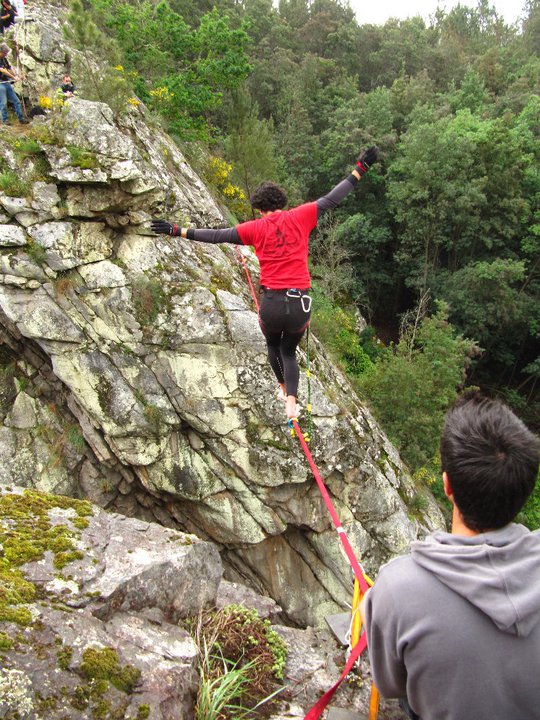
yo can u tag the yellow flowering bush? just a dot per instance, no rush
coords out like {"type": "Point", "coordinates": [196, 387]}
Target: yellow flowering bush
{"type": "Point", "coordinates": [162, 95]}
{"type": "Point", "coordinates": [52, 103]}
{"type": "Point", "coordinates": [232, 191]}
{"type": "Point", "coordinates": [218, 173]}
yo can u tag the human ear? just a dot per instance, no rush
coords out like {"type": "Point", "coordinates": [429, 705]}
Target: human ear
{"type": "Point", "coordinates": [447, 487]}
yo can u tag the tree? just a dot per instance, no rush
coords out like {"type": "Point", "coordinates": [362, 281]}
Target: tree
{"type": "Point", "coordinates": [295, 12]}
{"type": "Point", "coordinates": [531, 27]}
{"type": "Point", "coordinates": [489, 302]}
{"type": "Point", "coordinates": [331, 266]}
{"type": "Point", "coordinates": [406, 94]}
{"type": "Point", "coordinates": [97, 79]}
{"type": "Point", "coordinates": [369, 251]}
{"type": "Point", "coordinates": [300, 151]}
{"type": "Point", "coordinates": [402, 50]}
{"type": "Point", "coordinates": [250, 142]}
{"type": "Point", "coordinates": [456, 190]}
{"type": "Point", "coordinates": [262, 17]}
{"type": "Point", "coordinates": [472, 95]}
{"type": "Point", "coordinates": [429, 366]}
{"type": "Point", "coordinates": [182, 71]}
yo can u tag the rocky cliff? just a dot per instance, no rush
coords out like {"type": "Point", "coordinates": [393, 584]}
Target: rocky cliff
{"type": "Point", "coordinates": [133, 372]}
{"type": "Point", "coordinates": [98, 615]}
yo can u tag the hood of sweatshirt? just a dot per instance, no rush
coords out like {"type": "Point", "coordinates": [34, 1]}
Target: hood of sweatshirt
{"type": "Point", "coordinates": [498, 572]}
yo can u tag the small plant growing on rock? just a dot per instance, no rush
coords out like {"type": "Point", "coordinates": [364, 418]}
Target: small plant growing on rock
{"type": "Point", "coordinates": [241, 658]}
{"type": "Point", "coordinates": [82, 158]}
{"type": "Point", "coordinates": [63, 656]}
{"type": "Point", "coordinates": [26, 147]}
{"type": "Point", "coordinates": [148, 299]}
{"type": "Point", "coordinates": [154, 417]}
{"type": "Point", "coordinates": [36, 253]}
{"type": "Point", "coordinates": [43, 134]}
{"type": "Point", "coordinates": [75, 437]}
{"type": "Point", "coordinates": [13, 185]}
{"type": "Point", "coordinates": [6, 643]}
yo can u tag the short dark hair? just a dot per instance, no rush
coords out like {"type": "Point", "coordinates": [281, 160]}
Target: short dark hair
{"type": "Point", "coordinates": [268, 196]}
{"type": "Point", "coordinates": [491, 459]}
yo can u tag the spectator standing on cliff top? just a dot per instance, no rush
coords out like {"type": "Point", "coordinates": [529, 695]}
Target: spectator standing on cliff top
{"type": "Point", "coordinates": [7, 93]}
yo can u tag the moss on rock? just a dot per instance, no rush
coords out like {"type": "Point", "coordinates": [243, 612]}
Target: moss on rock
{"type": "Point", "coordinates": [26, 534]}
{"type": "Point", "coordinates": [103, 664]}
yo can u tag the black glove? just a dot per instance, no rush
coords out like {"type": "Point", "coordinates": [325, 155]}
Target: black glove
{"type": "Point", "coordinates": [366, 159]}
{"type": "Point", "coordinates": [162, 227]}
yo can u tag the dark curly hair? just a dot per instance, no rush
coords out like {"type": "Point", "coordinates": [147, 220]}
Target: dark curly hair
{"type": "Point", "coordinates": [268, 196]}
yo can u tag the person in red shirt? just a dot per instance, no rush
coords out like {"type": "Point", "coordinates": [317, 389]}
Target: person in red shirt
{"type": "Point", "coordinates": [280, 239]}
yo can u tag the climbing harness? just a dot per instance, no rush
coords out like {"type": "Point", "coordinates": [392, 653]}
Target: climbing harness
{"type": "Point", "coordinates": [304, 298]}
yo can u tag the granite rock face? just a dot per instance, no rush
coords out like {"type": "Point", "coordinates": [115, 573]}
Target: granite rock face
{"type": "Point", "coordinates": [133, 371]}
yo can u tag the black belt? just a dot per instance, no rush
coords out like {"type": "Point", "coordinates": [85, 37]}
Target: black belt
{"type": "Point", "coordinates": [284, 291]}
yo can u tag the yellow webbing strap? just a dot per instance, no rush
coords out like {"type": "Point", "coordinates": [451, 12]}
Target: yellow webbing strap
{"type": "Point", "coordinates": [356, 628]}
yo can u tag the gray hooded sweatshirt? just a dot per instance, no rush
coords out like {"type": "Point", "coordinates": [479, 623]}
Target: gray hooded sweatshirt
{"type": "Point", "coordinates": [455, 626]}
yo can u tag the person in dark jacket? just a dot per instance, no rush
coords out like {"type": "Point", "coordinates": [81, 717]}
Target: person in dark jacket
{"type": "Point", "coordinates": [281, 240]}
{"type": "Point", "coordinates": [453, 629]}
{"type": "Point", "coordinates": [67, 87]}
{"type": "Point", "coordinates": [7, 15]}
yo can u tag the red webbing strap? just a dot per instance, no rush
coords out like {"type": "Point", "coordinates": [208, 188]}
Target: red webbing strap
{"type": "Point", "coordinates": [319, 707]}
{"type": "Point", "coordinates": [242, 259]}
{"type": "Point", "coordinates": [359, 574]}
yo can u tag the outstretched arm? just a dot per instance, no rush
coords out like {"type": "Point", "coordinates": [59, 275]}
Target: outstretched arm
{"type": "Point", "coordinates": [207, 235]}
{"type": "Point", "coordinates": [8, 72]}
{"type": "Point", "coordinates": [332, 199]}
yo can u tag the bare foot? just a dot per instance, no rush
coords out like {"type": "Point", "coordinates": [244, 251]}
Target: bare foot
{"type": "Point", "coordinates": [290, 407]}
{"type": "Point", "coordinates": [282, 395]}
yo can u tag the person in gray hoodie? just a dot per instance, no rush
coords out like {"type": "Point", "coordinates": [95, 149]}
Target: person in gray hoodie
{"type": "Point", "coordinates": [453, 629]}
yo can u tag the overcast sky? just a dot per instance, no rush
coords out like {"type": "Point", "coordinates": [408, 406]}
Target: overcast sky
{"type": "Point", "coordinates": [378, 11]}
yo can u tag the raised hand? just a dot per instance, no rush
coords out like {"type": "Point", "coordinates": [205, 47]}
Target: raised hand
{"type": "Point", "coordinates": [366, 159]}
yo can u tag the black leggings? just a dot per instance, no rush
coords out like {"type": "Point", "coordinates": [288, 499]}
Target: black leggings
{"type": "Point", "coordinates": [283, 321]}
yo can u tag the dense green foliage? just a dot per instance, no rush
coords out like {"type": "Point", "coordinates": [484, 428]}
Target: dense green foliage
{"type": "Point", "coordinates": [108, 82]}
{"type": "Point", "coordinates": [428, 365]}
{"type": "Point", "coordinates": [178, 70]}
{"type": "Point", "coordinates": [452, 211]}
